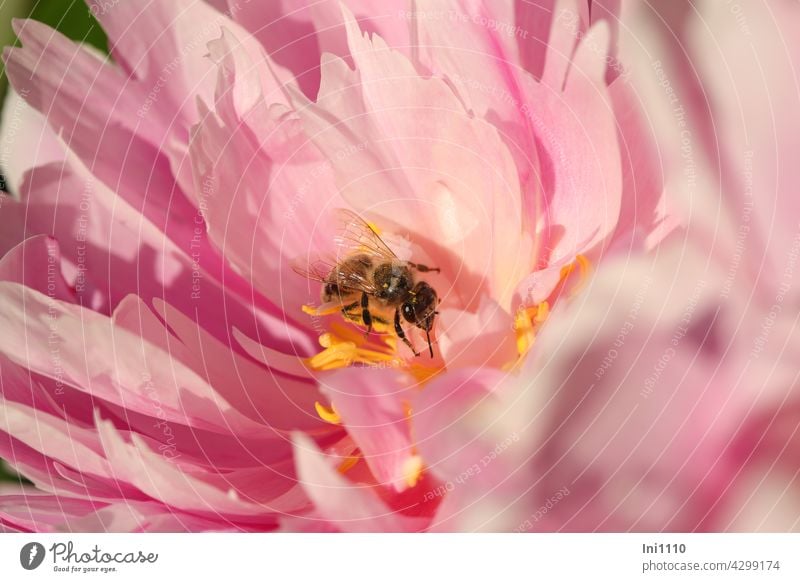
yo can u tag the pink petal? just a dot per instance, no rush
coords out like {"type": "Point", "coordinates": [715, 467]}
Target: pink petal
{"type": "Point", "coordinates": [95, 113]}
{"type": "Point", "coordinates": [579, 152]}
{"type": "Point", "coordinates": [483, 338]}
{"type": "Point", "coordinates": [23, 264]}
{"type": "Point", "coordinates": [283, 403]}
{"type": "Point", "coordinates": [644, 214]}
{"type": "Point", "coordinates": [26, 140]}
{"type": "Point", "coordinates": [110, 250]}
{"type": "Point", "coordinates": [295, 34]}
{"type": "Point", "coordinates": [757, 134]}
{"type": "Point", "coordinates": [51, 513]}
{"type": "Point", "coordinates": [542, 39]}
{"type": "Point", "coordinates": [111, 362]}
{"type": "Point", "coordinates": [261, 185]}
{"type": "Point", "coordinates": [473, 439]}
{"type": "Point", "coordinates": [161, 45]}
{"type": "Point", "coordinates": [347, 506]}
{"type": "Point", "coordinates": [54, 437]}
{"type": "Point", "coordinates": [373, 407]}
{"type": "Point", "coordinates": [449, 197]}
{"type": "Point", "coordinates": [637, 407]}
{"type": "Point", "coordinates": [473, 46]}
{"type": "Point", "coordinates": [183, 488]}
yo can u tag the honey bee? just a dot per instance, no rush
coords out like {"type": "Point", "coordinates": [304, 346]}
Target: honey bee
{"type": "Point", "coordinates": [368, 282]}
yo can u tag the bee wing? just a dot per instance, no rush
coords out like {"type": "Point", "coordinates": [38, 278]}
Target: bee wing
{"type": "Point", "coordinates": [357, 236]}
{"type": "Point", "coordinates": [343, 273]}
{"type": "Point", "coordinates": [317, 270]}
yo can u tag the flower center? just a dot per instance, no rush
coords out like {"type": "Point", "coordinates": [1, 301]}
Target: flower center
{"type": "Point", "coordinates": [345, 345]}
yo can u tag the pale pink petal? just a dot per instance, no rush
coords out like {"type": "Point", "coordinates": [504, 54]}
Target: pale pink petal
{"type": "Point", "coordinates": [373, 406]}
{"type": "Point", "coordinates": [25, 140]}
{"type": "Point", "coordinates": [267, 395]}
{"type": "Point", "coordinates": [110, 362]}
{"type": "Point", "coordinates": [483, 338]}
{"type": "Point", "coordinates": [441, 176]}
{"type": "Point", "coordinates": [347, 506]}
{"type": "Point", "coordinates": [645, 216]}
{"type": "Point", "coordinates": [162, 46]}
{"type": "Point", "coordinates": [179, 485]}
{"type": "Point", "coordinates": [110, 250]}
{"type": "Point", "coordinates": [635, 412]}
{"type": "Point", "coordinates": [473, 46]}
{"type": "Point", "coordinates": [579, 152]}
{"type": "Point", "coordinates": [467, 438]}
{"type": "Point", "coordinates": [94, 112]}
{"type": "Point", "coordinates": [261, 186]}
{"type": "Point", "coordinates": [54, 437]}
{"type": "Point", "coordinates": [290, 364]}
{"type": "Point", "coordinates": [756, 123]}
{"type": "Point", "coordinates": [51, 513]}
{"type": "Point", "coordinates": [296, 33]}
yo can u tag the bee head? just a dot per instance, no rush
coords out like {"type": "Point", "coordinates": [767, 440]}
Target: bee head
{"type": "Point", "coordinates": [420, 307]}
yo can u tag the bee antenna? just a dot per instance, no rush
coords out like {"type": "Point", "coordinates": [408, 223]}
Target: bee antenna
{"type": "Point", "coordinates": [430, 346]}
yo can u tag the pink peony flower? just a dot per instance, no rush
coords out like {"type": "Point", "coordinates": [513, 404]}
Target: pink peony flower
{"type": "Point", "coordinates": [665, 397]}
{"type": "Point", "coordinates": [163, 365]}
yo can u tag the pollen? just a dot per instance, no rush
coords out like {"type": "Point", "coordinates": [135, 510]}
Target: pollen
{"type": "Point", "coordinates": [526, 324]}
{"type": "Point", "coordinates": [584, 269]}
{"type": "Point", "coordinates": [345, 346]}
{"type": "Point", "coordinates": [412, 470]}
{"type": "Point", "coordinates": [328, 414]}
{"type": "Point", "coordinates": [328, 309]}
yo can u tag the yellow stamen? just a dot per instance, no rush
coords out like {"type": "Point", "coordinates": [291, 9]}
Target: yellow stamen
{"type": "Point", "coordinates": [345, 346]}
{"type": "Point", "coordinates": [321, 310]}
{"type": "Point", "coordinates": [529, 319]}
{"type": "Point", "coordinates": [412, 469]}
{"type": "Point", "coordinates": [584, 267]}
{"type": "Point", "coordinates": [348, 463]}
{"type": "Point", "coordinates": [527, 322]}
{"type": "Point", "coordinates": [328, 414]}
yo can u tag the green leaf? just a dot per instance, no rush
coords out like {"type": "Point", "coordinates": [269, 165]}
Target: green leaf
{"type": "Point", "coordinates": [72, 18]}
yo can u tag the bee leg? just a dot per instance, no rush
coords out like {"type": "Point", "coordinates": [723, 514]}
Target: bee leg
{"type": "Point", "coordinates": [428, 335]}
{"type": "Point", "coordinates": [349, 307]}
{"type": "Point", "coordinates": [400, 333]}
{"type": "Point", "coordinates": [347, 311]}
{"type": "Point", "coordinates": [424, 269]}
{"type": "Point", "coordinates": [366, 316]}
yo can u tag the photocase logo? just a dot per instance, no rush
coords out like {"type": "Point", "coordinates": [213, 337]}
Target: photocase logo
{"type": "Point", "coordinates": [31, 555]}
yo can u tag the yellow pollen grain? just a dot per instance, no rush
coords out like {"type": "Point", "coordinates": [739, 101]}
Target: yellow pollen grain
{"type": "Point", "coordinates": [412, 470]}
{"type": "Point", "coordinates": [328, 414]}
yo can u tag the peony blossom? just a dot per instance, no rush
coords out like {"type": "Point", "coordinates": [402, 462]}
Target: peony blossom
{"type": "Point", "coordinates": [164, 366]}
{"type": "Point", "coordinates": [664, 398]}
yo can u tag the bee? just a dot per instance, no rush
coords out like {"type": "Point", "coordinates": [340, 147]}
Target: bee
{"type": "Point", "coordinates": [370, 284]}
